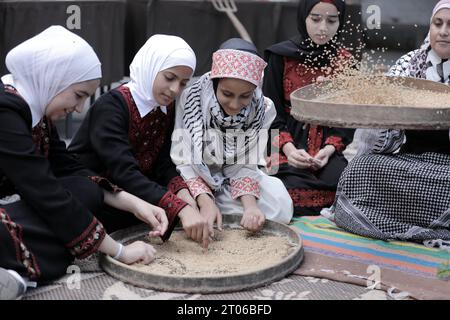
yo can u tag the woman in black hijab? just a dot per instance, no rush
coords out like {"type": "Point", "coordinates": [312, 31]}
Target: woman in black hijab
{"type": "Point", "coordinates": [308, 159]}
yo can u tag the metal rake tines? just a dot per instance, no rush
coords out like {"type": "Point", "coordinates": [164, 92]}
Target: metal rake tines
{"type": "Point", "coordinates": [229, 8]}
{"type": "Point", "coordinates": [224, 5]}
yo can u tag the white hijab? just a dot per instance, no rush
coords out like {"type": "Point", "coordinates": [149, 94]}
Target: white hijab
{"type": "Point", "coordinates": [160, 52]}
{"type": "Point", "coordinates": [48, 63]}
{"type": "Point", "coordinates": [433, 59]}
{"type": "Point", "coordinates": [443, 4]}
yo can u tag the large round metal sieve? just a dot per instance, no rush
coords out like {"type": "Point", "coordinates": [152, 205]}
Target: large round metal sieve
{"type": "Point", "coordinates": [305, 109]}
{"type": "Point", "coordinates": [208, 284]}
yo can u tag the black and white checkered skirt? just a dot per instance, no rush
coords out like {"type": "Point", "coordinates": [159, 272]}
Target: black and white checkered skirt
{"type": "Point", "coordinates": [396, 197]}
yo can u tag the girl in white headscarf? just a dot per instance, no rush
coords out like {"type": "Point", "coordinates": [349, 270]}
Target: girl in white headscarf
{"type": "Point", "coordinates": [48, 200]}
{"type": "Point", "coordinates": [221, 133]}
{"type": "Point", "coordinates": [398, 186]}
{"type": "Point", "coordinates": [126, 135]}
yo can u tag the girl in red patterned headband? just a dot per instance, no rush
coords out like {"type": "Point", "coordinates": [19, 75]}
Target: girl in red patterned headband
{"type": "Point", "coordinates": [308, 159]}
{"type": "Point", "coordinates": [217, 144]}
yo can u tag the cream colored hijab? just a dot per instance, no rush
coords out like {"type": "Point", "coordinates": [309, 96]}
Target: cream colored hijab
{"type": "Point", "coordinates": [48, 63]}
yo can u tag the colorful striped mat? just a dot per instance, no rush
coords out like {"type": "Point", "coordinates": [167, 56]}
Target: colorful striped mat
{"type": "Point", "coordinates": [322, 238]}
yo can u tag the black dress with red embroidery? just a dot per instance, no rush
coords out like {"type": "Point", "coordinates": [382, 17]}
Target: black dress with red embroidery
{"type": "Point", "coordinates": [132, 151]}
{"type": "Point", "coordinates": [310, 191]}
{"type": "Point", "coordinates": [52, 222]}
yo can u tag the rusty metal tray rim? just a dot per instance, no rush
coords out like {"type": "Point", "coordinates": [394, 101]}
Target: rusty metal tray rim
{"type": "Point", "coordinates": [243, 281]}
{"type": "Point", "coordinates": [304, 98]}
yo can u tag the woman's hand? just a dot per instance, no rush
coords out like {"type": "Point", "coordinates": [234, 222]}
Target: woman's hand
{"type": "Point", "coordinates": [137, 251]}
{"type": "Point", "coordinates": [152, 215]}
{"type": "Point", "coordinates": [144, 211]}
{"type": "Point", "coordinates": [322, 157]}
{"type": "Point", "coordinates": [211, 212]}
{"type": "Point", "coordinates": [253, 219]}
{"type": "Point", "coordinates": [297, 158]}
{"type": "Point", "coordinates": [195, 225]}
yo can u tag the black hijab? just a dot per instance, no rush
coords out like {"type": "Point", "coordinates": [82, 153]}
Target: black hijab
{"type": "Point", "coordinates": [240, 44]}
{"type": "Point", "coordinates": [301, 47]}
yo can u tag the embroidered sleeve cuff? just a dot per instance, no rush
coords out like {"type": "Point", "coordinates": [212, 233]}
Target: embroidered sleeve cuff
{"type": "Point", "coordinates": [105, 184]}
{"type": "Point", "coordinates": [280, 140]}
{"type": "Point", "coordinates": [89, 241]}
{"type": "Point", "coordinates": [336, 142]}
{"type": "Point", "coordinates": [243, 186]}
{"type": "Point", "coordinates": [176, 184]}
{"type": "Point", "coordinates": [197, 186]}
{"type": "Point", "coordinates": [172, 205]}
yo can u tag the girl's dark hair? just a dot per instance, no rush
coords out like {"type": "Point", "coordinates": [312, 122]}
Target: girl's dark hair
{"type": "Point", "coordinates": [240, 44]}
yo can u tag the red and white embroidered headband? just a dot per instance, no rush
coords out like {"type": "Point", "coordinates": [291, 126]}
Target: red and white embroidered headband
{"type": "Point", "coordinates": [230, 63]}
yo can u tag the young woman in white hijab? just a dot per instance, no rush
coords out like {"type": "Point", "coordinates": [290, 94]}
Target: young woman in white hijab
{"type": "Point", "coordinates": [48, 200]}
{"type": "Point", "coordinates": [126, 135]}
{"type": "Point", "coordinates": [398, 185]}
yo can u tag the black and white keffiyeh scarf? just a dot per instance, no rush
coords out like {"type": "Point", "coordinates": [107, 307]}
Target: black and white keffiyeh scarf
{"type": "Point", "coordinates": [216, 137]}
{"type": "Point", "coordinates": [423, 63]}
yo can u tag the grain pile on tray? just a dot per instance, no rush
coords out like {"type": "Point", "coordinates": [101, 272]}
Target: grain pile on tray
{"type": "Point", "coordinates": [234, 251]}
{"type": "Point", "coordinates": [358, 87]}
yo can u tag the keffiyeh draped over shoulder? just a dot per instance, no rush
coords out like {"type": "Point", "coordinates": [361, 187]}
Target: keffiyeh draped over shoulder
{"type": "Point", "coordinates": [211, 149]}
{"type": "Point", "coordinates": [422, 63]}
{"type": "Point", "coordinates": [47, 64]}
{"type": "Point", "coordinates": [213, 138]}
